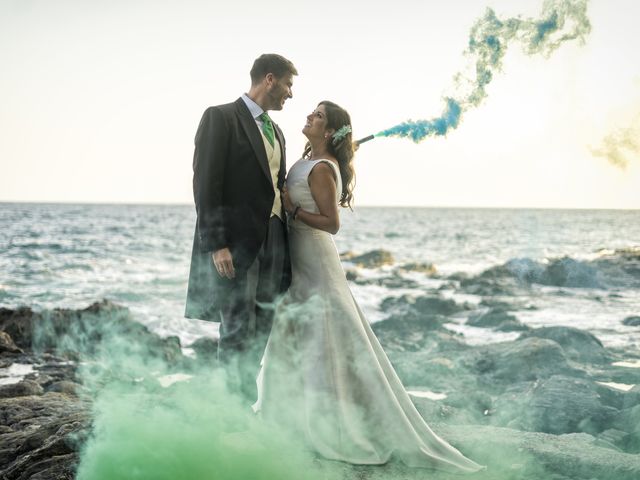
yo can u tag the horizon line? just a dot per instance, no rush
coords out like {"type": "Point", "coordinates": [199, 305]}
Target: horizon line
{"type": "Point", "coordinates": [182, 204]}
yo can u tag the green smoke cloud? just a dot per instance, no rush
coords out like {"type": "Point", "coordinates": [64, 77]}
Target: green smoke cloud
{"type": "Point", "coordinates": [621, 146]}
{"type": "Point", "coordinates": [159, 415]}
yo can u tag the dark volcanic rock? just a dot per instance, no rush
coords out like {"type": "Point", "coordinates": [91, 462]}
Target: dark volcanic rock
{"type": "Point", "coordinates": [51, 368]}
{"type": "Point", "coordinates": [170, 348]}
{"type": "Point", "coordinates": [558, 404]}
{"type": "Point", "coordinates": [487, 286]}
{"type": "Point", "coordinates": [74, 333]}
{"type": "Point", "coordinates": [410, 331]}
{"type": "Point", "coordinates": [17, 323]}
{"type": "Point", "coordinates": [577, 344]}
{"type": "Point", "coordinates": [7, 344]}
{"type": "Point", "coordinates": [46, 416]}
{"type": "Point", "coordinates": [567, 272]}
{"type": "Point", "coordinates": [206, 348]}
{"type": "Point", "coordinates": [621, 268]}
{"type": "Point", "coordinates": [495, 304]}
{"type": "Point", "coordinates": [633, 321]}
{"type": "Point", "coordinates": [498, 319]}
{"type": "Point", "coordinates": [418, 324]}
{"type": "Point", "coordinates": [517, 455]}
{"type": "Point", "coordinates": [372, 259]}
{"type": "Point", "coordinates": [438, 305]}
{"type": "Point", "coordinates": [20, 389]}
{"type": "Point", "coordinates": [45, 435]}
{"type": "Point", "coordinates": [524, 270]}
{"type": "Point", "coordinates": [628, 421]}
{"type": "Point", "coordinates": [351, 274]}
{"type": "Point", "coordinates": [442, 412]}
{"type": "Point", "coordinates": [530, 383]}
{"type": "Point", "coordinates": [425, 305]}
{"type": "Point", "coordinates": [393, 281]}
{"type": "Point", "coordinates": [423, 352]}
{"type": "Point", "coordinates": [64, 386]}
{"type": "Point", "coordinates": [437, 371]}
{"type": "Point", "coordinates": [526, 359]}
{"type": "Point", "coordinates": [424, 267]}
{"type": "Point", "coordinates": [560, 272]}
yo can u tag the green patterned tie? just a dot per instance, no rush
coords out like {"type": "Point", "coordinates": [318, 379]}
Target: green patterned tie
{"type": "Point", "coordinates": [267, 127]}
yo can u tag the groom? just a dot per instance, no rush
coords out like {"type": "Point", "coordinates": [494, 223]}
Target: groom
{"type": "Point", "coordinates": [240, 260]}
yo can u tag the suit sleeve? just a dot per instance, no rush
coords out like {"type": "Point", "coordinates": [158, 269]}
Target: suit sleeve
{"type": "Point", "coordinates": [209, 162]}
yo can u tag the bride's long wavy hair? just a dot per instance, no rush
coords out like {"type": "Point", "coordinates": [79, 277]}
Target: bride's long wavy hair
{"type": "Point", "coordinates": [342, 150]}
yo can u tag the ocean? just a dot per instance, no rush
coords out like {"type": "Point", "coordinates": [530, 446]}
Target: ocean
{"type": "Point", "coordinates": [579, 268]}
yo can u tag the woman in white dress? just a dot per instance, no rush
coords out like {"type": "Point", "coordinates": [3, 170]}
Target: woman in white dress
{"type": "Point", "coordinates": [324, 374]}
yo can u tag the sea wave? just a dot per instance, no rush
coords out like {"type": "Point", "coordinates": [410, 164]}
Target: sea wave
{"type": "Point", "coordinates": [613, 269]}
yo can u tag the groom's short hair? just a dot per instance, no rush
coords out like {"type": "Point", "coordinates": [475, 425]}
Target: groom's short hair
{"type": "Point", "coordinates": [271, 63]}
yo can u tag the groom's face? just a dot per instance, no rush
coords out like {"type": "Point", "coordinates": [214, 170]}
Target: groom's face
{"type": "Point", "coordinates": [279, 90]}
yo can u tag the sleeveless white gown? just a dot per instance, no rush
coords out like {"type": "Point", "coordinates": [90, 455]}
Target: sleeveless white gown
{"type": "Point", "coordinates": [324, 374]}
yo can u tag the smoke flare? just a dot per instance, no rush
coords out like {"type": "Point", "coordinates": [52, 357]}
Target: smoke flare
{"type": "Point", "coordinates": [560, 21]}
{"type": "Point", "coordinates": [621, 146]}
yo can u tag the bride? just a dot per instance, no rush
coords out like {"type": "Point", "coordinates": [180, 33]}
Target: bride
{"type": "Point", "coordinates": [324, 374]}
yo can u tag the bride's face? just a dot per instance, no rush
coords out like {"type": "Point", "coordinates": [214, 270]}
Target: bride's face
{"type": "Point", "coordinates": [316, 126]}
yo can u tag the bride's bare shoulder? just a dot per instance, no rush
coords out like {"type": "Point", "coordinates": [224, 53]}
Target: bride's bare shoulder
{"type": "Point", "coordinates": [323, 169]}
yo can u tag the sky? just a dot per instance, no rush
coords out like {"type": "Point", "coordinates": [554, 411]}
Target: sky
{"type": "Point", "coordinates": [100, 101]}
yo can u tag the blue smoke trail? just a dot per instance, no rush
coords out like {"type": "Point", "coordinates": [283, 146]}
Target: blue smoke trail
{"type": "Point", "coordinates": [561, 21]}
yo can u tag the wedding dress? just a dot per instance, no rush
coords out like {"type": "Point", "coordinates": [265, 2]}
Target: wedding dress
{"type": "Point", "coordinates": [324, 374]}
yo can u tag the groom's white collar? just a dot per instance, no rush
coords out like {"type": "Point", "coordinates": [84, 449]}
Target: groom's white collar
{"type": "Point", "coordinates": [255, 109]}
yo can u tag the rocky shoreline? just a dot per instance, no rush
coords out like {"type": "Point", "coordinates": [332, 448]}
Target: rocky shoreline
{"type": "Point", "coordinates": [553, 403]}
{"type": "Point", "coordinates": [46, 416]}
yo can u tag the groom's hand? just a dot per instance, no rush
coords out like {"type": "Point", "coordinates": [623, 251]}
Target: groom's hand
{"type": "Point", "coordinates": [223, 262]}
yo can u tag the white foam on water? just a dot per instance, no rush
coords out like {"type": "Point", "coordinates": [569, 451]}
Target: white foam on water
{"type": "Point", "coordinates": [424, 280]}
{"type": "Point", "coordinates": [188, 330]}
{"type": "Point", "coordinates": [461, 297]}
{"type": "Point", "coordinates": [479, 335]}
{"type": "Point", "coordinates": [427, 394]}
{"type": "Point", "coordinates": [189, 352]}
{"type": "Point", "coordinates": [628, 364]}
{"type": "Point", "coordinates": [625, 387]}
{"type": "Point", "coordinates": [369, 298]}
{"type": "Point", "coordinates": [470, 268]}
{"type": "Point", "coordinates": [138, 256]}
{"type": "Point", "coordinates": [14, 373]}
{"type": "Point", "coordinates": [167, 380]}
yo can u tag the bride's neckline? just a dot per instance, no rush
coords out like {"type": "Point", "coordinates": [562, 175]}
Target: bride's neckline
{"type": "Point", "coordinates": [318, 159]}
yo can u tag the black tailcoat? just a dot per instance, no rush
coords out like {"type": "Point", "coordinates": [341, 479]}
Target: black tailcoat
{"type": "Point", "coordinates": [233, 194]}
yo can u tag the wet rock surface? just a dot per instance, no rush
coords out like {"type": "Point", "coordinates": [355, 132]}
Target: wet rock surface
{"type": "Point", "coordinates": [577, 344]}
{"type": "Point", "coordinates": [544, 405]}
{"type": "Point", "coordinates": [498, 319]}
{"type": "Point", "coordinates": [633, 321]}
{"type": "Point", "coordinates": [371, 259]}
{"type": "Point", "coordinates": [421, 267]}
{"type": "Point", "coordinates": [46, 416]}
{"type": "Point", "coordinates": [620, 268]}
{"type": "Point", "coordinates": [554, 380]}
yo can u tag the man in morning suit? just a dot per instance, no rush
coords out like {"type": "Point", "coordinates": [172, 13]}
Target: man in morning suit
{"type": "Point", "coordinates": [240, 260]}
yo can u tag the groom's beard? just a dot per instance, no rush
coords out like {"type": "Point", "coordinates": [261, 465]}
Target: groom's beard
{"type": "Point", "coordinates": [277, 98]}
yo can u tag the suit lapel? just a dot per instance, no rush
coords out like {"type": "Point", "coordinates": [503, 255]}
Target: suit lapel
{"type": "Point", "coordinates": [254, 136]}
{"type": "Point", "coordinates": [283, 158]}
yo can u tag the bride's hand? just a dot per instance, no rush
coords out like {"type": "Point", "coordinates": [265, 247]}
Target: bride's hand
{"type": "Point", "coordinates": [286, 201]}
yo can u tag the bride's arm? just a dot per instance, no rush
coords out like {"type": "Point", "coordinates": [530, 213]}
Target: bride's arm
{"type": "Point", "coordinates": [323, 190]}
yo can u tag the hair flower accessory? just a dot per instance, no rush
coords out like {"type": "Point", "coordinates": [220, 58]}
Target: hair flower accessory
{"type": "Point", "coordinates": [340, 133]}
